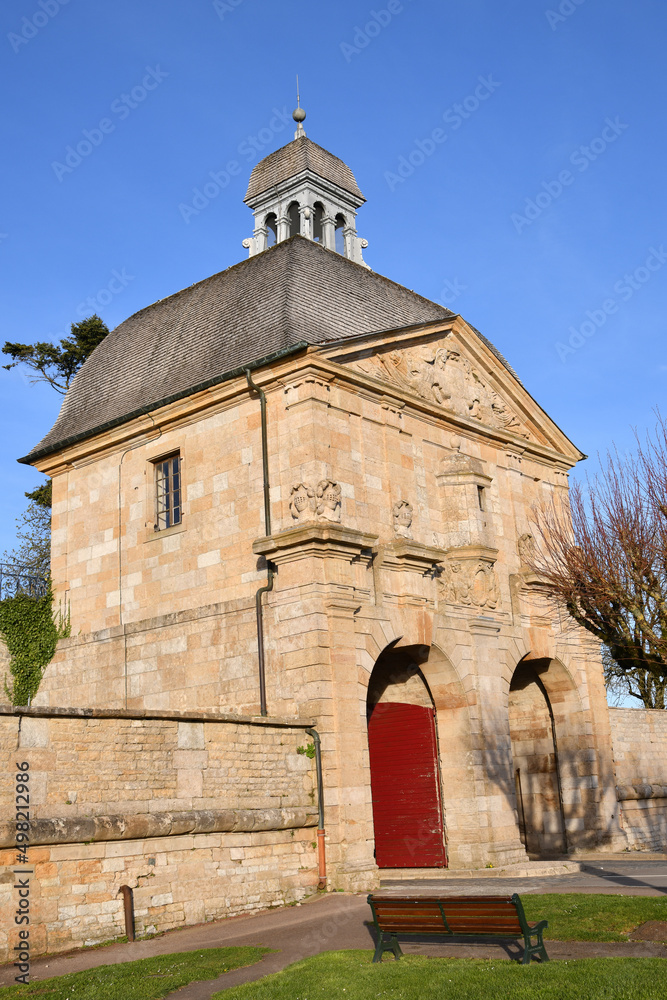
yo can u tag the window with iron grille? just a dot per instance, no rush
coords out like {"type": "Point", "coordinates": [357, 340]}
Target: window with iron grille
{"type": "Point", "coordinates": [168, 510]}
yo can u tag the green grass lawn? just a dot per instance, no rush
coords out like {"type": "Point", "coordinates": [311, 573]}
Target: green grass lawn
{"type": "Point", "coordinates": [146, 979]}
{"type": "Point", "coordinates": [349, 975]}
{"type": "Point", "coordinates": [581, 917]}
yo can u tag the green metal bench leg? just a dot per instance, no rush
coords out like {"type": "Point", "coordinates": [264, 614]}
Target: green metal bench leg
{"type": "Point", "coordinates": [387, 942]}
{"type": "Point", "coordinates": [542, 951]}
{"type": "Point", "coordinates": [531, 951]}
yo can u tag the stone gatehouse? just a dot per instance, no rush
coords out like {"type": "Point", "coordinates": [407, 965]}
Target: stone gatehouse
{"type": "Point", "coordinates": [297, 494]}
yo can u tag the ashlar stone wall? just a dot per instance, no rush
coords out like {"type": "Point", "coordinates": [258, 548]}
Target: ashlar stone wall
{"type": "Point", "coordinates": [202, 817]}
{"type": "Point", "coordinates": [639, 739]}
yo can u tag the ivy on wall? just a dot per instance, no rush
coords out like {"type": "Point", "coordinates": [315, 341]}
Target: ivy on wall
{"type": "Point", "coordinates": [31, 632]}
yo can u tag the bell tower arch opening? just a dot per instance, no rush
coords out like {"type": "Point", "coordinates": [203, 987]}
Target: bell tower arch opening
{"type": "Point", "coordinates": [318, 215]}
{"type": "Point", "coordinates": [404, 764]}
{"type": "Point", "coordinates": [294, 219]}
{"type": "Point", "coordinates": [271, 224]}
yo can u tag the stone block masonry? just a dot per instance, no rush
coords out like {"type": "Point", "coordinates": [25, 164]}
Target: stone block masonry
{"type": "Point", "coordinates": [639, 739]}
{"type": "Point", "coordinates": [203, 816]}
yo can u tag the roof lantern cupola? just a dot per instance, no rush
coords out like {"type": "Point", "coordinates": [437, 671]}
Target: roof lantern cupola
{"type": "Point", "coordinates": [302, 189]}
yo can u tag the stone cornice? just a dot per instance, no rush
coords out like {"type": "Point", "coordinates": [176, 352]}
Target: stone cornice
{"type": "Point", "coordinates": [320, 539]}
{"type": "Point", "coordinates": [405, 554]}
{"type": "Point", "coordinates": [306, 178]}
{"type": "Point", "coordinates": [272, 378]}
{"type": "Point", "coordinates": [476, 552]}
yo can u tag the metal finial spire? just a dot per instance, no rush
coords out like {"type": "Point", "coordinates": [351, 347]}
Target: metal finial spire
{"type": "Point", "coordinates": [298, 114]}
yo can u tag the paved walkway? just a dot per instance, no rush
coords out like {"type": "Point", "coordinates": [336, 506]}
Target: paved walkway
{"type": "Point", "coordinates": [609, 874]}
{"type": "Point", "coordinates": [340, 921]}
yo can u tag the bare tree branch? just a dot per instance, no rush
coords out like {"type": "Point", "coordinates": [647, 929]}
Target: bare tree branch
{"type": "Point", "coordinates": [603, 556]}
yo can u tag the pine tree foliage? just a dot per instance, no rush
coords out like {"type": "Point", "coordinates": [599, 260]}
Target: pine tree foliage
{"type": "Point", "coordinates": [57, 364]}
{"type": "Point", "coordinates": [33, 553]}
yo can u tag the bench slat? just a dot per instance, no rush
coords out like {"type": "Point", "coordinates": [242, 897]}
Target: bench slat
{"type": "Point", "coordinates": [472, 916]}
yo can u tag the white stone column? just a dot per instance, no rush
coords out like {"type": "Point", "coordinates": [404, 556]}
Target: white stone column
{"type": "Point", "coordinates": [351, 249]}
{"type": "Point", "coordinates": [260, 239]}
{"type": "Point", "coordinates": [328, 232]}
{"type": "Point", "coordinates": [283, 228]}
{"type": "Point", "coordinates": [306, 213]}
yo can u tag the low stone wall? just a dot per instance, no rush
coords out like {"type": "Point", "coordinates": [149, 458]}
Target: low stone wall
{"type": "Point", "coordinates": [204, 816]}
{"type": "Point", "coordinates": [639, 741]}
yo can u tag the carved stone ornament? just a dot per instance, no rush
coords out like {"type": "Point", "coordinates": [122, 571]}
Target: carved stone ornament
{"type": "Point", "coordinates": [402, 512]}
{"type": "Point", "coordinates": [302, 503]}
{"type": "Point", "coordinates": [443, 375]}
{"type": "Point", "coordinates": [526, 549]}
{"type": "Point", "coordinates": [472, 583]}
{"type": "Point", "coordinates": [328, 500]}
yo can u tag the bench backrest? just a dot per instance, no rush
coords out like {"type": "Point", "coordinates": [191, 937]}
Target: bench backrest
{"type": "Point", "coordinates": [450, 914]}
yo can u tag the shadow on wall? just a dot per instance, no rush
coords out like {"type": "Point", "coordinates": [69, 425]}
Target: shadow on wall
{"type": "Point", "coordinates": [529, 778]}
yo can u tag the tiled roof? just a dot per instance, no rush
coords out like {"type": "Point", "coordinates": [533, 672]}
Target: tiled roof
{"type": "Point", "coordinates": [294, 294]}
{"type": "Point", "coordinates": [290, 160]}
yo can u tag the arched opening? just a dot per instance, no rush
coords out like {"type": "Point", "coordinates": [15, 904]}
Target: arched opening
{"type": "Point", "coordinates": [404, 764]}
{"type": "Point", "coordinates": [271, 223]}
{"type": "Point", "coordinates": [340, 234]}
{"type": "Point", "coordinates": [537, 776]}
{"type": "Point", "coordinates": [294, 217]}
{"type": "Point", "coordinates": [318, 215]}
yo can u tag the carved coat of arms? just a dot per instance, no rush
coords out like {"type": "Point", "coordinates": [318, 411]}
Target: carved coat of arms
{"type": "Point", "coordinates": [445, 376]}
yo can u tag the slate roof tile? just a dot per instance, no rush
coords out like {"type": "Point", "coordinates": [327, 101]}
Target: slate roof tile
{"type": "Point", "coordinates": [293, 294]}
{"type": "Point", "coordinates": [290, 160]}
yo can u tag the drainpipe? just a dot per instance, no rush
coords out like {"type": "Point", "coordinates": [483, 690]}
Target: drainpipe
{"type": "Point", "coordinates": [321, 852]}
{"type": "Point", "coordinates": [268, 587]}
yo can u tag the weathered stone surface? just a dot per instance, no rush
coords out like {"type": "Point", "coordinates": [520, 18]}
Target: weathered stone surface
{"type": "Point", "coordinates": [403, 471]}
{"type": "Point", "coordinates": [640, 762]}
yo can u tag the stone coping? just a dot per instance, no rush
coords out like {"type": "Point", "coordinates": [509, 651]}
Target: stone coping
{"type": "Point", "coordinates": [48, 712]}
{"type": "Point", "coordinates": [641, 791]}
{"type": "Point", "coordinates": [81, 830]}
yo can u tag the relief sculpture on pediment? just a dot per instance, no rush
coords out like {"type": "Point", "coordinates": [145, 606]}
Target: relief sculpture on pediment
{"type": "Point", "coordinates": [445, 376]}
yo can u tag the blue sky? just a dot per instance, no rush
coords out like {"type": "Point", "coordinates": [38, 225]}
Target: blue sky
{"type": "Point", "coordinates": [539, 212]}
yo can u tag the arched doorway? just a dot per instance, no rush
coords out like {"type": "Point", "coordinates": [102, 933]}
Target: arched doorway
{"type": "Point", "coordinates": [536, 766]}
{"type": "Point", "coordinates": [405, 773]}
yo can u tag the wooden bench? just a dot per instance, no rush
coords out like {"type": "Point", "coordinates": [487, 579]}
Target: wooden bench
{"type": "Point", "coordinates": [470, 916]}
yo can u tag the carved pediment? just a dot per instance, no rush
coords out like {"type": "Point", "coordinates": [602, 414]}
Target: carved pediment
{"type": "Point", "coordinates": [442, 374]}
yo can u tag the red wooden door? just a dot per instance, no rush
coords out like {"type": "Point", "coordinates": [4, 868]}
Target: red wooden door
{"type": "Point", "coordinates": [405, 785]}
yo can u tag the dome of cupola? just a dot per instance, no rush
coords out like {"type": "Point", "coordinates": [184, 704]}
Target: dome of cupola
{"type": "Point", "coordinates": [302, 189]}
